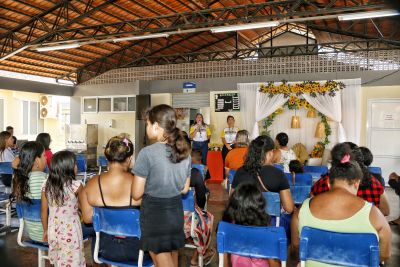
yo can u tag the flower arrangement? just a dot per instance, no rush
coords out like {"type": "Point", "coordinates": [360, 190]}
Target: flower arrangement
{"type": "Point", "coordinates": [297, 103]}
{"type": "Point", "coordinates": [311, 87]}
{"type": "Point", "coordinates": [269, 120]}
{"type": "Point", "coordinates": [318, 150]}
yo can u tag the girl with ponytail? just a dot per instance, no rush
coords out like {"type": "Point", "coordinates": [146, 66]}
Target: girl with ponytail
{"type": "Point", "coordinates": [162, 175]}
{"type": "Point", "coordinates": [28, 179]}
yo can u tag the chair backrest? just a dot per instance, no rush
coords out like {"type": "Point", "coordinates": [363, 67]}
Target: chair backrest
{"type": "Point", "coordinates": [252, 241]}
{"type": "Point", "coordinates": [300, 193]}
{"type": "Point", "coordinates": [376, 170]}
{"type": "Point", "coordinates": [300, 178]}
{"type": "Point", "coordinates": [6, 168]}
{"type": "Point", "coordinates": [279, 166]}
{"type": "Point", "coordinates": [29, 211]}
{"type": "Point", "coordinates": [320, 169]}
{"type": "Point", "coordinates": [273, 203]}
{"type": "Point", "coordinates": [103, 162]}
{"type": "Point", "coordinates": [118, 222]}
{"type": "Point", "coordinates": [188, 201]}
{"type": "Point", "coordinates": [201, 168]}
{"type": "Point", "coordinates": [81, 162]}
{"type": "Point", "coordinates": [231, 175]}
{"type": "Point", "coordinates": [344, 249]}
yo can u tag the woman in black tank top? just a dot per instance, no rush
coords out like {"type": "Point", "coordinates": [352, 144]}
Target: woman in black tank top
{"type": "Point", "coordinates": [112, 190]}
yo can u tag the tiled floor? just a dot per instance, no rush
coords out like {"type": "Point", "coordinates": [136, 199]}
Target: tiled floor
{"type": "Point", "coordinates": [28, 257]}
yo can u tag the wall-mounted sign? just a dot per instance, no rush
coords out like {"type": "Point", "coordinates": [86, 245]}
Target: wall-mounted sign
{"type": "Point", "coordinates": [189, 87]}
{"type": "Point", "coordinates": [227, 102]}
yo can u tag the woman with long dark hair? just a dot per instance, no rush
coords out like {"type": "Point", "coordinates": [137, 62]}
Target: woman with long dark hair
{"type": "Point", "coordinates": [162, 175]}
{"type": "Point", "coordinates": [258, 168]}
{"type": "Point", "coordinates": [339, 209]}
{"type": "Point", "coordinates": [246, 206]}
{"type": "Point", "coordinates": [28, 179]}
{"type": "Point", "coordinates": [200, 133]}
{"type": "Point", "coordinates": [45, 140]}
{"type": "Point", "coordinates": [60, 217]}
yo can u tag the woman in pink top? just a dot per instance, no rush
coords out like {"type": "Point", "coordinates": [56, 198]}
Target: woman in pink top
{"type": "Point", "coordinates": [45, 140]}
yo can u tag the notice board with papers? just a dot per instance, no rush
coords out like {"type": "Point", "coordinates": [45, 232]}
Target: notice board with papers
{"type": "Point", "coordinates": [227, 102]}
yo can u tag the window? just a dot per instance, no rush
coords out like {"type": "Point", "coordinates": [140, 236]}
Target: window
{"type": "Point", "coordinates": [30, 118]}
{"type": "Point", "coordinates": [90, 104]}
{"type": "Point", "coordinates": [105, 104]}
{"type": "Point", "coordinates": [123, 104]}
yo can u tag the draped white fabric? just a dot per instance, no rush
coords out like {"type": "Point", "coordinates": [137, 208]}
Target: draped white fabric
{"type": "Point", "coordinates": [247, 95]}
{"type": "Point", "coordinates": [331, 107]}
{"type": "Point", "coordinates": [344, 109]}
{"type": "Point", "coordinates": [351, 109]}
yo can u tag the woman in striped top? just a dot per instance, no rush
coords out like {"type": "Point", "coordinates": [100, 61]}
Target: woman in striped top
{"type": "Point", "coordinates": [28, 179]}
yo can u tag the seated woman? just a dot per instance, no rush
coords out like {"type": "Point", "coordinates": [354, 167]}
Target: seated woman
{"type": "Point", "coordinates": [295, 167]}
{"type": "Point", "coordinates": [258, 169]}
{"type": "Point", "coordinates": [283, 154]}
{"type": "Point", "coordinates": [370, 188]}
{"type": "Point", "coordinates": [368, 158]}
{"type": "Point", "coordinates": [235, 158]}
{"type": "Point", "coordinates": [394, 182]}
{"type": "Point", "coordinates": [339, 209]}
{"type": "Point", "coordinates": [28, 179]}
{"type": "Point", "coordinates": [247, 207]}
{"type": "Point", "coordinates": [113, 190]}
{"type": "Point", "coordinates": [6, 155]}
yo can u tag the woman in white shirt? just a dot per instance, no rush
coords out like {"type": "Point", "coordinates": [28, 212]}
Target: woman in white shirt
{"type": "Point", "coordinates": [283, 154]}
{"type": "Point", "coordinates": [200, 133]}
{"type": "Point", "coordinates": [6, 154]}
{"type": "Point", "coordinates": [228, 136]}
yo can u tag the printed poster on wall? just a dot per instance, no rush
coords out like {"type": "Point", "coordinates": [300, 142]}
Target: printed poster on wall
{"type": "Point", "coordinates": [227, 102]}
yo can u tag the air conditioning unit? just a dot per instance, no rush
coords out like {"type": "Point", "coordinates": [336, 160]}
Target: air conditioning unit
{"type": "Point", "coordinates": [48, 107]}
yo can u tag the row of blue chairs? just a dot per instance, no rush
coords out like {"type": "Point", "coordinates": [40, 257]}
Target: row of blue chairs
{"type": "Point", "coordinates": [344, 249]}
{"type": "Point", "coordinates": [117, 222]}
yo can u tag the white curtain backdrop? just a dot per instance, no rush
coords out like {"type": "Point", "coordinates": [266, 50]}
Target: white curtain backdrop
{"type": "Point", "coordinates": [331, 107]}
{"type": "Point", "coordinates": [344, 109]}
{"type": "Point", "coordinates": [351, 109]}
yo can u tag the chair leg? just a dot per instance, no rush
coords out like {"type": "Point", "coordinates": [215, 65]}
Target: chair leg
{"type": "Point", "coordinates": [221, 260]}
{"type": "Point", "coordinates": [41, 262]}
{"type": "Point", "coordinates": [8, 214]}
{"type": "Point", "coordinates": [201, 262]}
{"type": "Point", "coordinates": [140, 260]}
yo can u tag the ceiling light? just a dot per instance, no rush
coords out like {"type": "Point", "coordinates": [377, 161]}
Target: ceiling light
{"type": "Point", "coordinates": [57, 47]}
{"type": "Point", "coordinates": [141, 37]}
{"type": "Point", "coordinates": [247, 26]}
{"type": "Point", "coordinates": [369, 15]}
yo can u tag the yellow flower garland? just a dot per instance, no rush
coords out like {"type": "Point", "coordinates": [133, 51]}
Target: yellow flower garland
{"type": "Point", "coordinates": [311, 87]}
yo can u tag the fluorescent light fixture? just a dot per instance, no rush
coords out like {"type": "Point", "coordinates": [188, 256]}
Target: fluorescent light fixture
{"type": "Point", "coordinates": [369, 15]}
{"type": "Point", "coordinates": [247, 26]}
{"type": "Point", "coordinates": [57, 47]}
{"type": "Point", "coordinates": [14, 53]}
{"type": "Point", "coordinates": [141, 37]}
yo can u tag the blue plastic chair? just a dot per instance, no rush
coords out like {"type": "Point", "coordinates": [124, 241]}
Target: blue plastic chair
{"type": "Point", "coordinates": [344, 249]}
{"type": "Point", "coordinates": [273, 205]}
{"type": "Point", "coordinates": [103, 163]}
{"type": "Point", "coordinates": [201, 168]}
{"type": "Point", "coordinates": [300, 178]}
{"type": "Point", "coordinates": [376, 170]}
{"type": "Point", "coordinates": [279, 166]}
{"type": "Point", "coordinates": [81, 164]}
{"type": "Point", "coordinates": [251, 241]}
{"type": "Point", "coordinates": [317, 169]}
{"type": "Point", "coordinates": [300, 193]}
{"type": "Point", "coordinates": [231, 175]}
{"type": "Point", "coordinates": [31, 212]}
{"type": "Point", "coordinates": [6, 169]}
{"type": "Point", "coordinates": [117, 222]}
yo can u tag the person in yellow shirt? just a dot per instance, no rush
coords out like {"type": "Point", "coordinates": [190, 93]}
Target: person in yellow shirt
{"type": "Point", "coordinates": [200, 134]}
{"type": "Point", "coordinates": [228, 136]}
